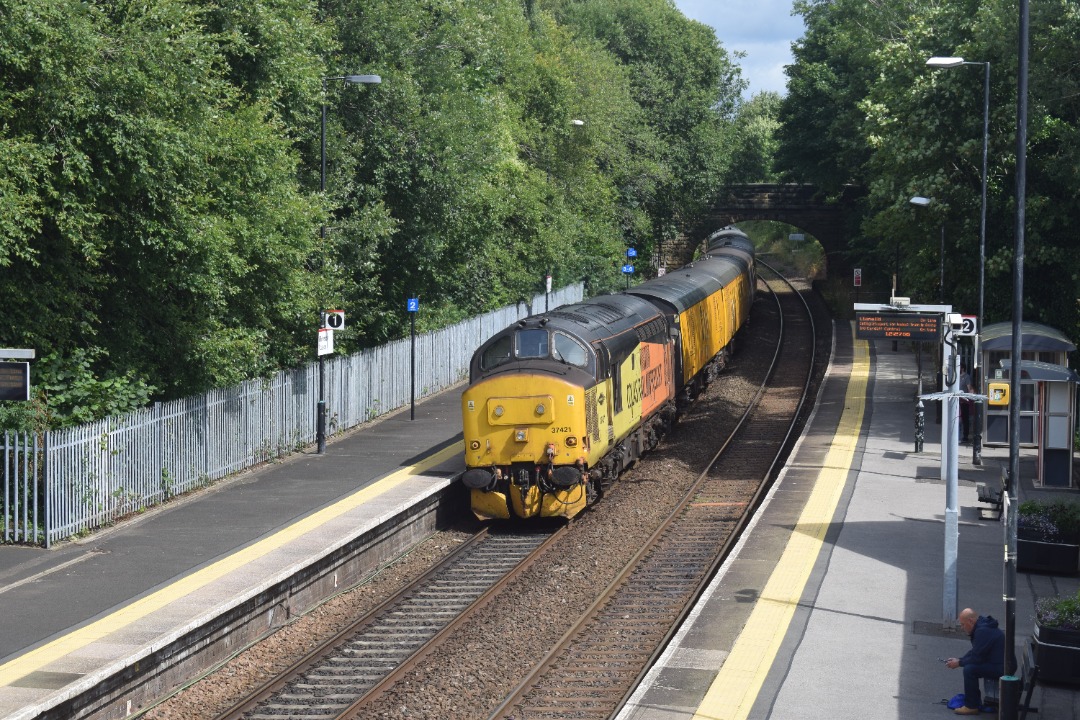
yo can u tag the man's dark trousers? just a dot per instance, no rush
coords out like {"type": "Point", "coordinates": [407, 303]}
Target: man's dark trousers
{"type": "Point", "coordinates": [973, 675]}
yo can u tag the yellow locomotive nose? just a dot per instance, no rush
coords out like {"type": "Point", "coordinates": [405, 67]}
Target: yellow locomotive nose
{"type": "Point", "coordinates": [535, 410]}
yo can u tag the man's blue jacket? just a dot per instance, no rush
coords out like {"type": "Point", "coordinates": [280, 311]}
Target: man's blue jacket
{"type": "Point", "coordinates": [987, 644]}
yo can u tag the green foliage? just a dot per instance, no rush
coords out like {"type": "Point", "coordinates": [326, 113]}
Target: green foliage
{"type": "Point", "coordinates": [70, 391]}
{"type": "Point", "coordinates": [772, 240]}
{"type": "Point", "coordinates": [757, 125]}
{"type": "Point", "coordinates": [163, 230]}
{"type": "Point", "coordinates": [863, 108]}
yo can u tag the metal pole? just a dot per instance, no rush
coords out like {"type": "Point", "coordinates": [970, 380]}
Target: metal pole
{"type": "Point", "coordinates": [949, 455]}
{"type": "Point", "coordinates": [320, 414]}
{"type": "Point", "coordinates": [320, 408]}
{"type": "Point", "coordinates": [412, 363]}
{"type": "Point", "coordinates": [920, 411]}
{"type": "Point", "coordinates": [976, 446]}
{"type": "Point", "coordinates": [1009, 687]}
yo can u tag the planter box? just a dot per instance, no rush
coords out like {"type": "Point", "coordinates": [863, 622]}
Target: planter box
{"type": "Point", "coordinates": [1053, 558]}
{"type": "Point", "coordinates": [1057, 653]}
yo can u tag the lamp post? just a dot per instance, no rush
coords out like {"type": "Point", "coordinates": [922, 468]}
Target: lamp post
{"type": "Point", "coordinates": [320, 410]}
{"type": "Point", "coordinates": [951, 62]}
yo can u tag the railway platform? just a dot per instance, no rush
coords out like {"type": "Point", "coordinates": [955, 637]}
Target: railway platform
{"type": "Point", "coordinates": [176, 579]}
{"type": "Point", "coordinates": [831, 607]}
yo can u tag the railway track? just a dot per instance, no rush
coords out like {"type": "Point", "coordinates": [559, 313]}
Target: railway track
{"type": "Point", "coordinates": [599, 661]}
{"type": "Point", "coordinates": [602, 653]}
{"type": "Point", "coordinates": [344, 669]}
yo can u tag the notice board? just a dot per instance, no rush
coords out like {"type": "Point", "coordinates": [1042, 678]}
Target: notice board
{"type": "Point", "coordinates": [898, 326]}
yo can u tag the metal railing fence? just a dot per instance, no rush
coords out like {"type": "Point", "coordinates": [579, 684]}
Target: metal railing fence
{"type": "Point", "coordinates": [20, 500]}
{"type": "Point", "coordinates": [86, 477]}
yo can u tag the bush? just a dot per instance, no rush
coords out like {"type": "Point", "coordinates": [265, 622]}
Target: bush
{"type": "Point", "coordinates": [1058, 612]}
{"type": "Point", "coordinates": [1057, 521]}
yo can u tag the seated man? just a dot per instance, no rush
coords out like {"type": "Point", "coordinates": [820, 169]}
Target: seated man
{"type": "Point", "coordinates": [985, 659]}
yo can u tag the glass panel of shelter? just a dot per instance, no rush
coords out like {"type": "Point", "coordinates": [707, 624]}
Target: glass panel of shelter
{"type": "Point", "coordinates": [996, 430]}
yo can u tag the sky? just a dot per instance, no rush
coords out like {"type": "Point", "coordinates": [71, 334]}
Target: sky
{"type": "Point", "coordinates": [763, 29]}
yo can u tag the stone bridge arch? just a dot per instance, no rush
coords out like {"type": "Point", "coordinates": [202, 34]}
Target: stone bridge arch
{"type": "Point", "coordinates": [831, 221]}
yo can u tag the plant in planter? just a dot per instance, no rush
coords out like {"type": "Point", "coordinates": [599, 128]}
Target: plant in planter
{"type": "Point", "coordinates": [1057, 639]}
{"type": "Point", "coordinates": [1048, 537]}
{"type": "Point", "coordinates": [1057, 521]}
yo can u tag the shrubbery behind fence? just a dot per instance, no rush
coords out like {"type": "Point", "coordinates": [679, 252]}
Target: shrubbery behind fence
{"type": "Point", "coordinates": [85, 477]}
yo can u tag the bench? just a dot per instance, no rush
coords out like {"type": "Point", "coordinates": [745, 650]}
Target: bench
{"type": "Point", "coordinates": [992, 496]}
{"type": "Point", "coordinates": [1029, 675]}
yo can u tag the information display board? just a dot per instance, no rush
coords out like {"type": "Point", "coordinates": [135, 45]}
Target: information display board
{"type": "Point", "coordinates": [15, 381]}
{"type": "Point", "coordinates": [898, 326]}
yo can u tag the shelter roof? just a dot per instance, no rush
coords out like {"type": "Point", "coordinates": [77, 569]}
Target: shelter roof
{"type": "Point", "coordinates": [1033, 337]}
{"type": "Point", "coordinates": [1042, 372]}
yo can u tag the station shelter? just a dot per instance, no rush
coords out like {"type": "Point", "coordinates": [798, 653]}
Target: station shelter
{"type": "Point", "coordinates": [1047, 413]}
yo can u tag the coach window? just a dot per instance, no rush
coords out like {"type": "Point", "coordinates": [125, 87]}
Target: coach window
{"type": "Point", "coordinates": [532, 343]}
{"type": "Point", "coordinates": [568, 350]}
{"type": "Point", "coordinates": [496, 354]}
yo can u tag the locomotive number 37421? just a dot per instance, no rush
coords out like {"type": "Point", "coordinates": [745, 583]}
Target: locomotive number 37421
{"type": "Point", "coordinates": [560, 430]}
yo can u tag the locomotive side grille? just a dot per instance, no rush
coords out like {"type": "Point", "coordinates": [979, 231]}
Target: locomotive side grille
{"type": "Point", "coordinates": [592, 428]}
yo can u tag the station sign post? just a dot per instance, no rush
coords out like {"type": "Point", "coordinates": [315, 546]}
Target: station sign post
{"type": "Point", "coordinates": [329, 321]}
{"type": "Point", "coordinates": [413, 307]}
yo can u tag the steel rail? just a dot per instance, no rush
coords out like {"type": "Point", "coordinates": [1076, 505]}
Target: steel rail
{"type": "Point", "coordinates": [340, 693]}
{"type": "Point", "coordinates": [584, 704]}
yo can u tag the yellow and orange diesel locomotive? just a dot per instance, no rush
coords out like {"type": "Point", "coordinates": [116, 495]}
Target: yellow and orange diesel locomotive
{"type": "Point", "coordinates": [560, 403]}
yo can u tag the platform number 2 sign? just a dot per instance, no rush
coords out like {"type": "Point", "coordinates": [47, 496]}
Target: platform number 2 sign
{"type": "Point", "coordinates": [968, 326]}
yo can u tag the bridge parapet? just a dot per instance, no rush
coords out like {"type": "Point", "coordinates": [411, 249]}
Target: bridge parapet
{"type": "Point", "coordinates": [804, 206]}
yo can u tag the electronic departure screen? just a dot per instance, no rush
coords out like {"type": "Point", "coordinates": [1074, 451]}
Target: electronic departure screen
{"type": "Point", "coordinates": [898, 326]}
{"type": "Point", "coordinates": [14, 381]}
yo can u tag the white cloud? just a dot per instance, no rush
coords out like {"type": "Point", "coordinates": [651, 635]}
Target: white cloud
{"type": "Point", "coordinates": [762, 29]}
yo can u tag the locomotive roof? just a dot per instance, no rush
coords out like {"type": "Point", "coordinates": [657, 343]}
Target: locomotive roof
{"type": "Point", "coordinates": [729, 237]}
{"type": "Point", "coordinates": [599, 318]}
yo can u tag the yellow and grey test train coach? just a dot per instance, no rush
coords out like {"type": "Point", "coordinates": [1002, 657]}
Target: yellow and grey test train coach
{"type": "Point", "coordinates": [560, 403]}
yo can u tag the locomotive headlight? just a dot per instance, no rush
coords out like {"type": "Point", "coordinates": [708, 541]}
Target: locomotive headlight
{"type": "Point", "coordinates": [571, 441]}
{"type": "Point", "coordinates": [540, 409]}
{"type": "Point", "coordinates": [499, 411]}
{"type": "Point", "coordinates": [475, 445]}
{"type": "Point", "coordinates": [521, 435]}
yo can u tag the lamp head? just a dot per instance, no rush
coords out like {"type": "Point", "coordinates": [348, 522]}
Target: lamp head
{"type": "Point", "coordinates": [920, 201]}
{"type": "Point", "coordinates": [945, 62]}
{"type": "Point", "coordinates": [362, 79]}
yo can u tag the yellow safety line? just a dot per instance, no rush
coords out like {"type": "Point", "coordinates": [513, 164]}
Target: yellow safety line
{"type": "Point", "coordinates": [735, 688]}
{"type": "Point", "coordinates": [42, 656]}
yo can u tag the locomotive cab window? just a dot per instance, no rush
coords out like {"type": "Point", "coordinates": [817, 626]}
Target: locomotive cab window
{"type": "Point", "coordinates": [496, 354]}
{"type": "Point", "coordinates": [532, 343]}
{"type": "Point", "coordinates": [568, 350]}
